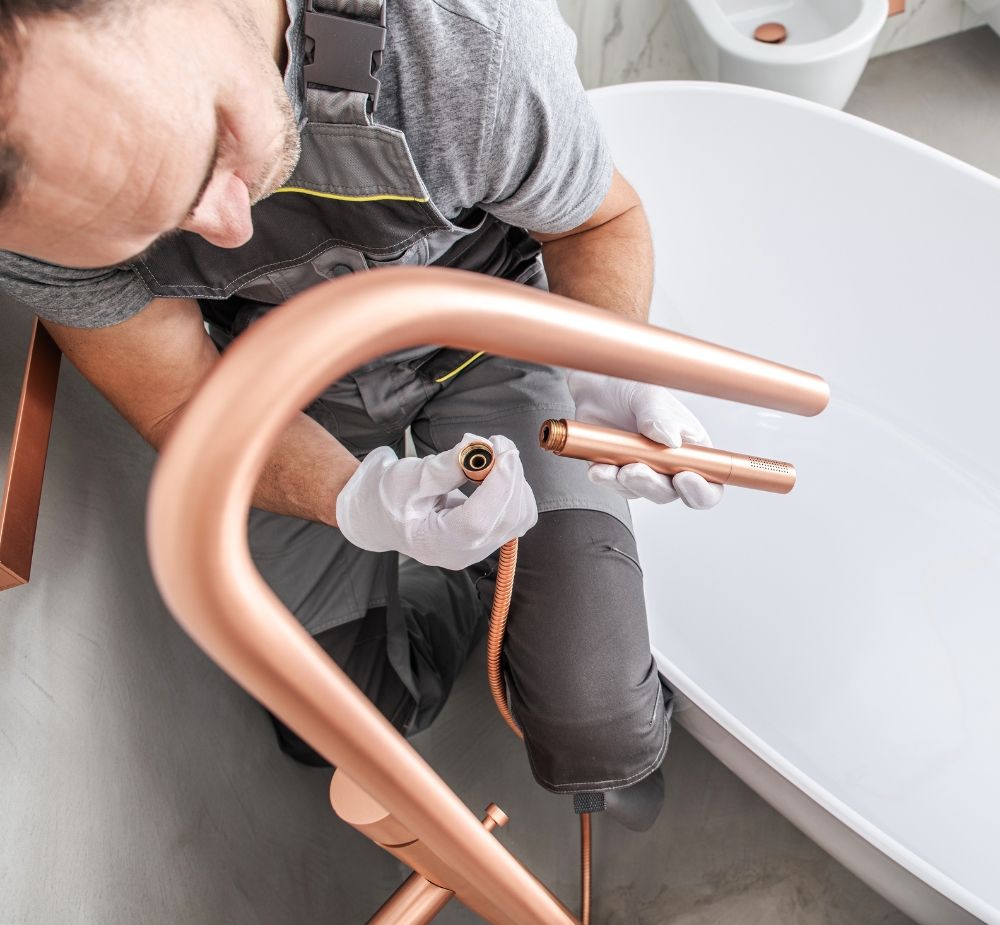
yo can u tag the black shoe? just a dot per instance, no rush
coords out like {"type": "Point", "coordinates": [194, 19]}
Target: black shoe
{"type": "Point", "coordinates": [636, 807]}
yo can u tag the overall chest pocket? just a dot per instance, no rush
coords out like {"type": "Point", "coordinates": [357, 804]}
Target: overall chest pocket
{"type": "Point", "coordinates": [354, 187]}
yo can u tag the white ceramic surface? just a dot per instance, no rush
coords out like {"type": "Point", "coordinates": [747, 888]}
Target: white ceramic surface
{"type": "Point", "coordinates": [828, 44]}
{"type": "Point", "coordinates": [845, 636]}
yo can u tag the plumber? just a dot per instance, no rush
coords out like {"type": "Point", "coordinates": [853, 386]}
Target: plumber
{"type": "Point", "coordinates": [170, 172]}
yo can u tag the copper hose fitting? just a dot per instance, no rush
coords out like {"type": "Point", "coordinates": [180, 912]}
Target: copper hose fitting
{"type": "Point", "coordinates": [619, 447]}
{"type": "Point", "coordinates": [476, 460]}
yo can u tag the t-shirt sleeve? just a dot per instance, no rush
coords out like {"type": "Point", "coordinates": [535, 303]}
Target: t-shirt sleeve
{"type": "Point", "coordinates": [76, 298]}
{"type": "Point", "coordinates": [549, 166]}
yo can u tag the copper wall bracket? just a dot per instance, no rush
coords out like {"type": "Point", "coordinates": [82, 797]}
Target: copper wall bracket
{"type": "Point", "coordinates": [26, 467]}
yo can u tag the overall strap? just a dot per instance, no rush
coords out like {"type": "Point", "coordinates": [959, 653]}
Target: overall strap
{"type": "Point", "coordinates": [344, 40]}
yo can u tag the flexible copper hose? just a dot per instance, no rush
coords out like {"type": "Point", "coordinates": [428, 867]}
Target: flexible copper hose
{"type": "Point", "coordinates": [498, 627]}
{"type": "Point", "coordinates": [476, 460]}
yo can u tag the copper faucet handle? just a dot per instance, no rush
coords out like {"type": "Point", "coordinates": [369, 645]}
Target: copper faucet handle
{"type": "Point", "coordinates": [495, 818]}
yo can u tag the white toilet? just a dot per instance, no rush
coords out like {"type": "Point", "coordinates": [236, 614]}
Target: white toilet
{"type": "Point", "coordinates": [815, 49]}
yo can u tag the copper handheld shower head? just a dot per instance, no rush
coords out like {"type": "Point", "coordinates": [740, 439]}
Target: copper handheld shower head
{"type": "Point", "coordinates": [618, 447]}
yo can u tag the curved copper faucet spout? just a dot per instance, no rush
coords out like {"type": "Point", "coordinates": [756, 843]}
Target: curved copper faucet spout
{"type": "Point", "coordinates": [204, 480]}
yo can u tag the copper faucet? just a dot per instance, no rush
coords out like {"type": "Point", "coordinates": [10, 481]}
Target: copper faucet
{"type": "Point", "coordinates": [202, 489]}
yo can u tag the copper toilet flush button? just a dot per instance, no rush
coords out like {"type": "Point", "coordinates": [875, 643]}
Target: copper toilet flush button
{"type": "Point", "coordinates": [771, 32]}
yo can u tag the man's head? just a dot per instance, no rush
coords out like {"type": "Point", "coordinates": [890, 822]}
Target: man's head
{"type": "Point", "coordinates": [121, 122]}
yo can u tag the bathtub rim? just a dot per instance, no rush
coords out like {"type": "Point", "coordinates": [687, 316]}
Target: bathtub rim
{"type": "Point", "coordinates": [910, 892]}
{"type": "Point", "coordinates": [692, 694]}
{"type": "Point", "coordinates": [722, 88]}
{"type": "Point", "coordinates": [864, 29]}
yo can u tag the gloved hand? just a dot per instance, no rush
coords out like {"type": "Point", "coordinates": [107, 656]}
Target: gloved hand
{"type": "Point", "coordinates": [654, 412]}
{"type": "Point", "coordinates": [414, 506]}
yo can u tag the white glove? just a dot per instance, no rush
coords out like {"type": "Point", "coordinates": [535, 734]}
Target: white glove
{"type": "Point", "coordinates": [414, 506]}
{"type": "Point", "coordinates": [654, 412]}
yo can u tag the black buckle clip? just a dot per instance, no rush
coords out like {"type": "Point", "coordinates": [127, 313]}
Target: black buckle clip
{"type": "Point", "coordinates": [347, 53]}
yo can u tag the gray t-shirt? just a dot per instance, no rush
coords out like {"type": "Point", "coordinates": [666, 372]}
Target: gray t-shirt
{"type": "Point", "coordinates": [488, 96]}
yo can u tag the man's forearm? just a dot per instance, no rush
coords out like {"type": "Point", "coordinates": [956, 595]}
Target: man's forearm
{"type": "Point", "coordinates": [304, 473]}
{"type": "Point", "coordinates": [610, 266]}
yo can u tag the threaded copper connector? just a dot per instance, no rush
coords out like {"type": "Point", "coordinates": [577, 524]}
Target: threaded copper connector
{"type": "Point", "coordinates": [476, 460]}
{"type": "Point", "coordinates": [552, 435]}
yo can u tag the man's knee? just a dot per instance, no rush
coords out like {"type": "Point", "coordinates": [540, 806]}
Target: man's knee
{"type": "Point", "coordinates": [583, 682]}
{"type": "Point", "coordinates": [581, 747]}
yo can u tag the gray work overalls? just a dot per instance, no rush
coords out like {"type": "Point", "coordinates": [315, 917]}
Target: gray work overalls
{"type": "Point", "coordinates": [355, 202]}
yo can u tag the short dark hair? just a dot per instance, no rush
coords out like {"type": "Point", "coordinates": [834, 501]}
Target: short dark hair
{"type": "Point", "coordinates": [14, 14]}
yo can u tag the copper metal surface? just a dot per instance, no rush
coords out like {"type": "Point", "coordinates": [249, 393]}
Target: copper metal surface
{"type": "Point", "coordinates": [419, 899]}
{"type": "Point", "coordinates": [771, 32]}
{"type": "Point", "coordinates": [26, 467]}
{"type": "Point", "coordinates": [416, 902]}
{"type": "Point", "coordinates": [476, 460]}
{"type": "Point", "coordinates": [896, 7]}
{"type": "Point", "coordinates": [552, 435]}
{"type": "Point", "coordinates": [498, 627]}
{"type": "Point", "coordinates": [619, 447]}
{"type": "Point", "coordinates": [495, 818]}
{"type": "Point", "coordinates": [204, 481]}
{"type": "Point", "coordinates": [360, 809]}
{"type": "Point", "coordinates": [585, 868]}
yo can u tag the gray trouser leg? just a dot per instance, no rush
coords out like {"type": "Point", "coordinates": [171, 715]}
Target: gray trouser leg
{"type": "Point", "coordinates": [583, 684]}
{"type": "Point", "coordinates": [444, 619]}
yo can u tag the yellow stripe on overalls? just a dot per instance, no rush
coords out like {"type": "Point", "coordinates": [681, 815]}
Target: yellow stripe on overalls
{"type": "Point", "coordinates": [458, 369]}
{"type": "Point", "coordinates": [312, 192]}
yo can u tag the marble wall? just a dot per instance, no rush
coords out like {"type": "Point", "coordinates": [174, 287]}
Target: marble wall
{"type": "Point", "coordinates": [923, 21]}
{"type": "Point", "coordinates": [627, 40]}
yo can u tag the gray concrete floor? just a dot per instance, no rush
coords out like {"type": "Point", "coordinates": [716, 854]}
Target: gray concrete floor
{"type": "Point", "coordinates": [945, 93]}
{"type": "Point", "coordinates": [719, 855]}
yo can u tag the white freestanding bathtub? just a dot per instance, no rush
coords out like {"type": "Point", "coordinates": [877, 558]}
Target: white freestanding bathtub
{"type": "Point", "coordinates": [837, 647]}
